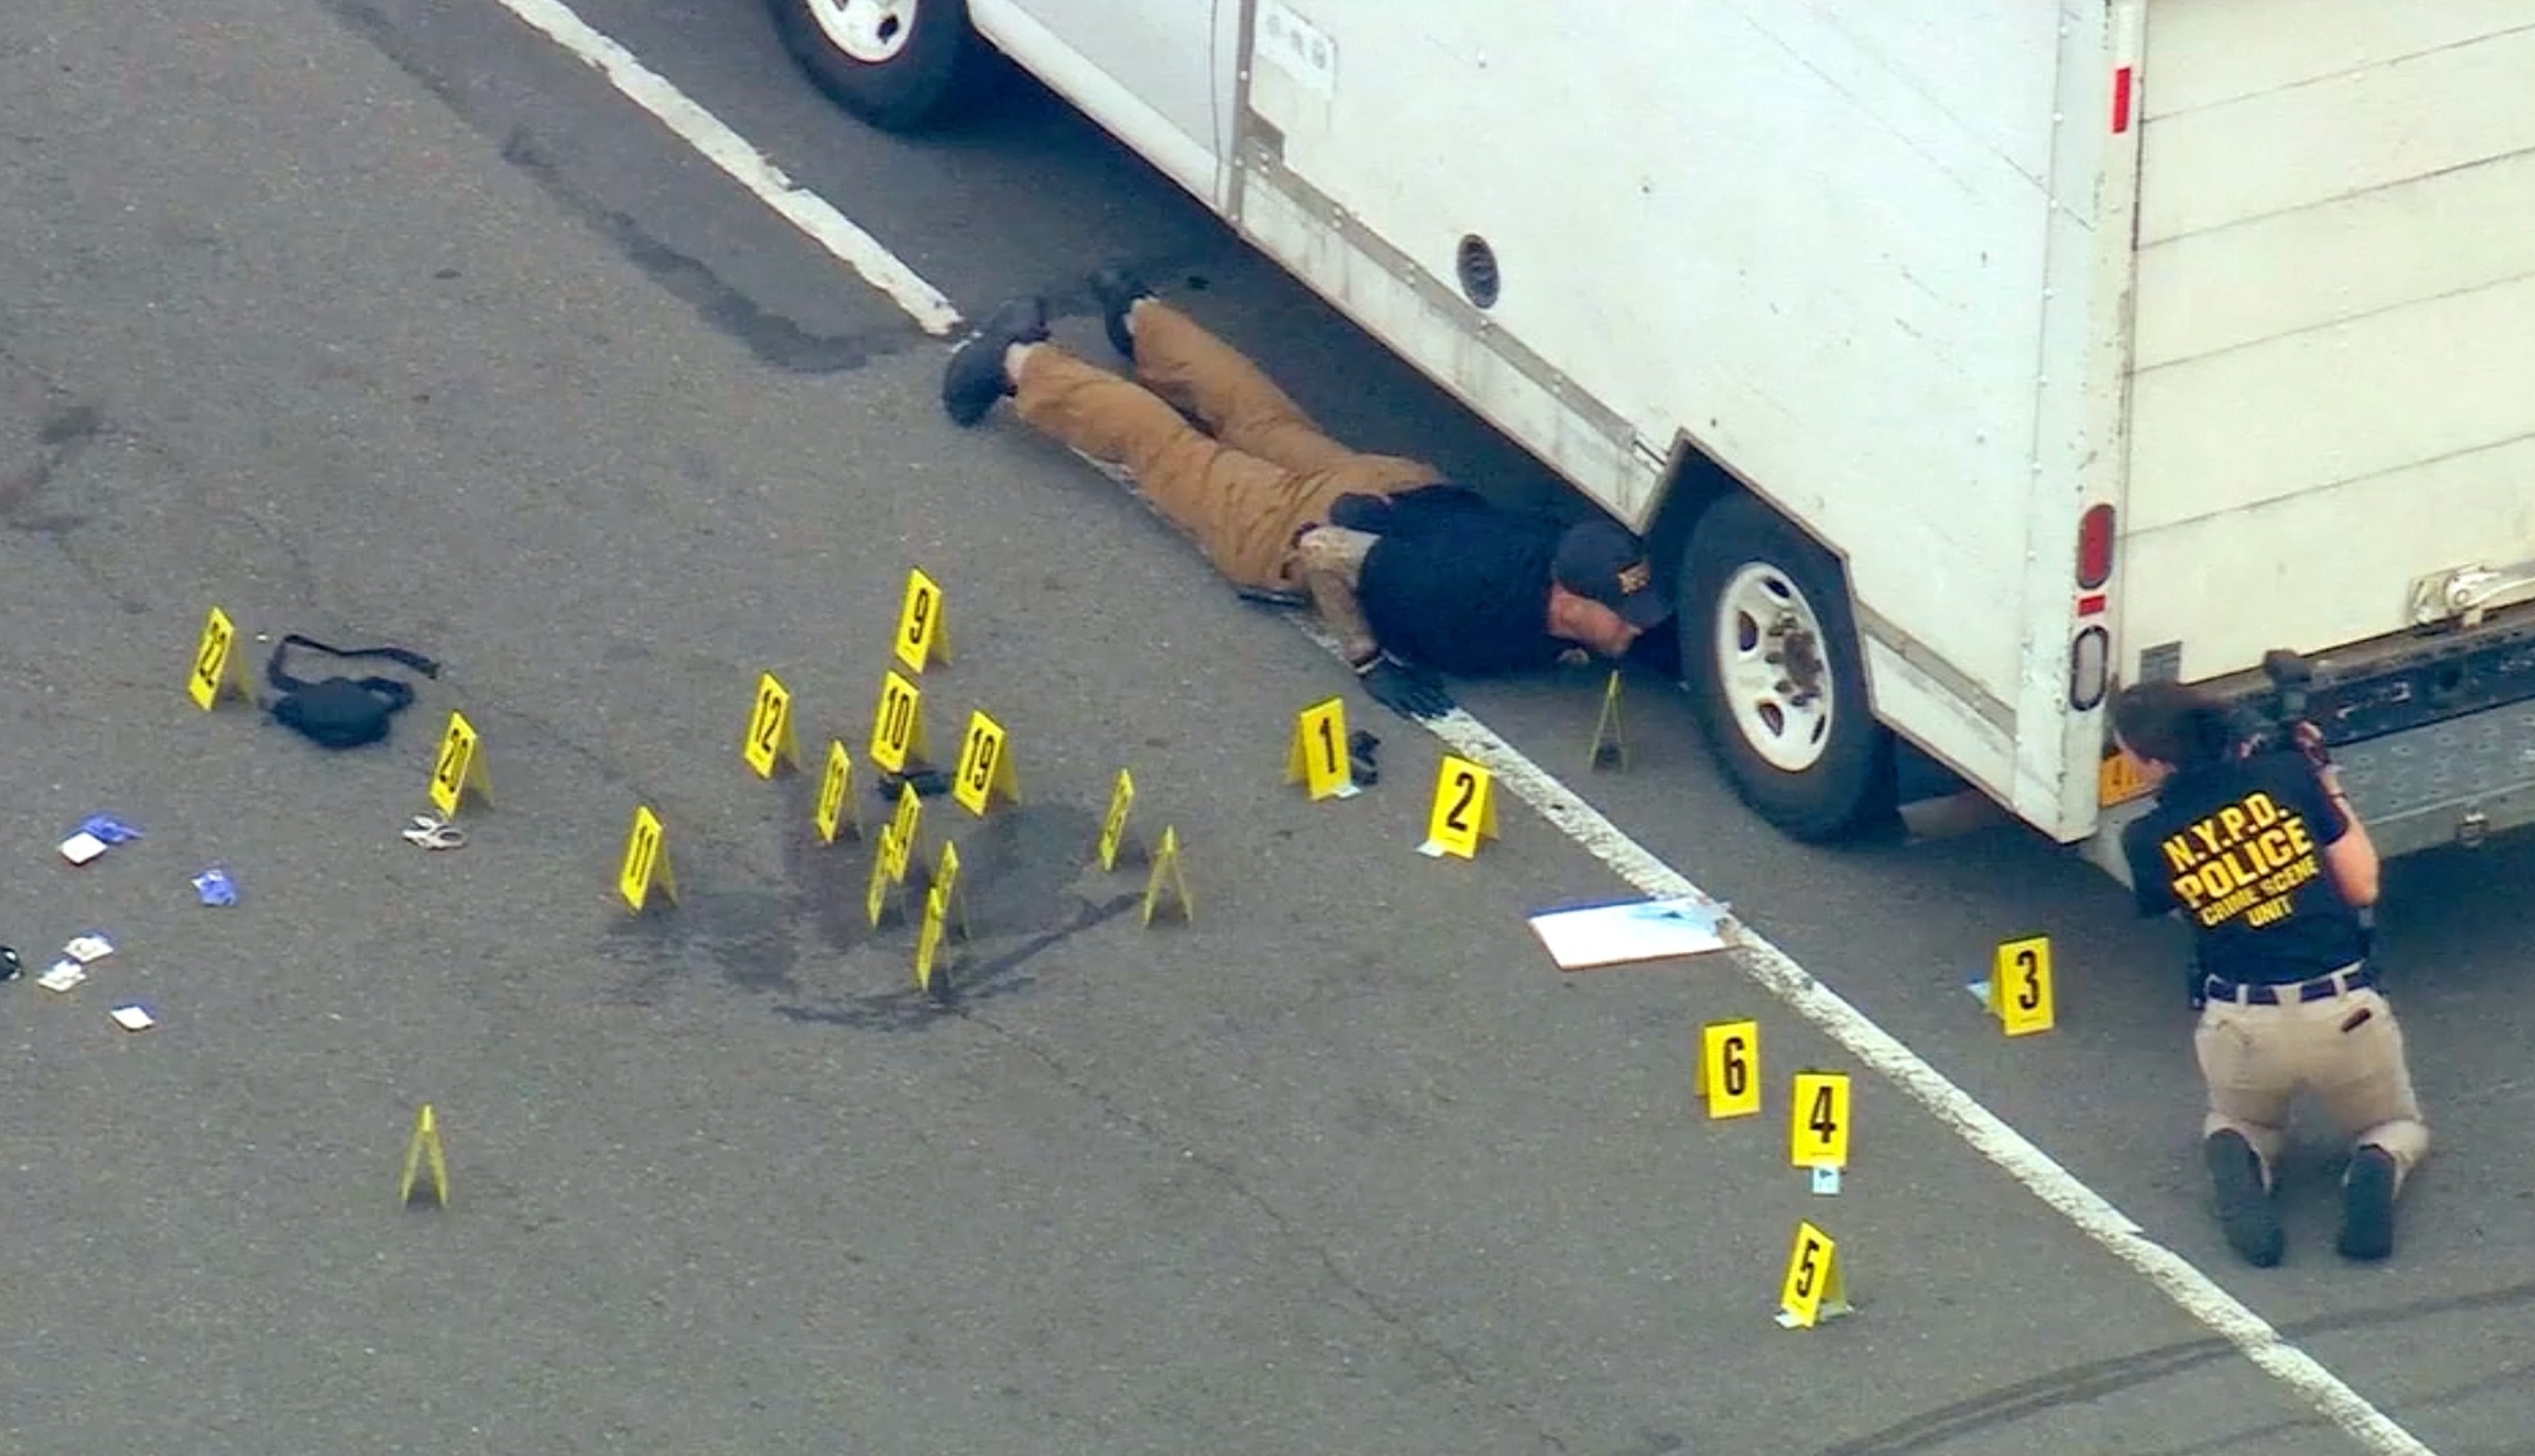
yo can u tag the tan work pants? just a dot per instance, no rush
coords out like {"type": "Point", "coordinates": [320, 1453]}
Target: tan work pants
{"type": "Point", "coordinates": [1259, 473]}
{"type": "Point", "coordinates": [2255, 1058]}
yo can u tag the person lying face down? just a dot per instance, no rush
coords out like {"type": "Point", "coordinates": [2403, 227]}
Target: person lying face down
{"type": "Point", "coordinates": [1436, 579]}
{"type": "Point", "coordinates": [1415, 576]}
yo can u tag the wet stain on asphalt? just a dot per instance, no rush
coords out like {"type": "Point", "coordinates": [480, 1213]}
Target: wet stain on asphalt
{"type": "Point", "coordinates": [64, 429]}
{"type": "Point", "coordinates": [957, 983]}
{"type": "Point", "coordinates": [1019, 867]}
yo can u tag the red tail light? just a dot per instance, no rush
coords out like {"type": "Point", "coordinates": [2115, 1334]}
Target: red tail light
{"type": "Point", "coordinates": [2094, 548]}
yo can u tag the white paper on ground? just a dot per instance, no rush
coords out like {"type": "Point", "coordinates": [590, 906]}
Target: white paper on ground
{"type": "Point", "coordinates": [64, 975]}
{"type": "Point", "coordinates": [1631, 931]}
{"type": "Point", "coordinates": [131, 1018]}
{"type": "Point", "coordinates": [81, 847]}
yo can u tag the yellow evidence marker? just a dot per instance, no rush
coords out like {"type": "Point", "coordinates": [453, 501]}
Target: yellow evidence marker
{"type": "Point", "coordinates": [985, 769]}
{"type": "Point", "coordinates": [1729, 1068]}
{"type": "Point", "coordinates": [1818, 1124]}
{"type": "Point", "coordinates": [457, 770]}
{"type": "Point", "coordinates": [647, 861]}
{"type": "Point", "coordinates": [882, 892]}
{"type": "Point", "coordinates": [922, 635]}
{"type": "Point", "coordinates": [899, 846]}
{"type": "Point", "coordinates": [215, 675]}
{"type": "Point", "coordinates": [1465, 810]}
{"type": "Point", "coordinates": [1815, 1288]}
{"type": "Point", "coordinates": [425, 1144]}
{"type": "Point", "coordinates": [1610, 747]}
{"type": "Point", "coordinates": [945, 883]}
{"type": "Point", "coordinates": [1318, 756]}
{"type": "Point", "coordinates": [928, 940]}
{"type": "Point", "coordinates": [835, 808]}
{"type": "Point", "coordinates": [898, 723]}
{"type": "Point", "coordinates": [1113, 824]}
{"type": "Point", "coordinates": [770, 740]}
{"type": "Point", "coordinates": [1166, 864]}
{"type": "Point", "coordinates": [2019, 990]}
{"type": "Point", "coordinates": [940, 900]}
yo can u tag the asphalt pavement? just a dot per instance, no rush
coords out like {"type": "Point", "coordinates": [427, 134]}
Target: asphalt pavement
{"type": "Point", "coordinates": [385, 322]}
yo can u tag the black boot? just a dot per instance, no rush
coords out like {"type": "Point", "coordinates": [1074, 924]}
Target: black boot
{"type": "Point", "coordinates": [974, 378]}
{"type": "Point", "coordinates": [1117, 287]}
{"type": "Point", "coordinates": [2244, 1204]}
{"type": "Point", "coordinates": [2368, 1205]}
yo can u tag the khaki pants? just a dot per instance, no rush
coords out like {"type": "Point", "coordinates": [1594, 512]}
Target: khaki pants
{"type": "Point", "coordinates": [2254, 1057]}
{"type": "Point", "coordinates": [1244, 488]}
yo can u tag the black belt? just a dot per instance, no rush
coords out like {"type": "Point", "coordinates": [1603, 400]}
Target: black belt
{"type": "Point", "coordinates": [2257, 994]}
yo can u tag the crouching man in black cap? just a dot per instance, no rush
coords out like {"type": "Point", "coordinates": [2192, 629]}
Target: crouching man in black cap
{"type": "Point", "coordinates": [1415, 576]}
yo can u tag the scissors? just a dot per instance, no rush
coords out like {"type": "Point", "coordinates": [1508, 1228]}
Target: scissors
{"type": "Point", "coordinates": [433, 833]}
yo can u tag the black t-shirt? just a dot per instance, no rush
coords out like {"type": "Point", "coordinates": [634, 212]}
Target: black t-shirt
{"type": "Point", "coordinates": [1463, 590]}
{"type": "Point", "coordinates": [2238, 848]}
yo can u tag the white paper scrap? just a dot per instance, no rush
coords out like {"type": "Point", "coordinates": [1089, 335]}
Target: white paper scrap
{"type": "Point", "coordinates": [1631, 931]}
{"type": "Point", "coordinates": [131, 1018]}
{"type": "Point", "coordinates": [89, 947]}
{"type": "Point", "coordinates": [64, 975]}
{"type": "Point", "coordinates": [81, 847]}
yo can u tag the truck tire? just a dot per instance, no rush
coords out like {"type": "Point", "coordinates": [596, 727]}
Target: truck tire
{"type": "Point", "coordinates": [899, 65]}
{"type": "Point", "coordinates": [1776, 679]}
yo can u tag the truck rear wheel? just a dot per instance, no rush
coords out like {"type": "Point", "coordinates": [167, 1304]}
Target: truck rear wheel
{"type": "Point", "coordinates": [1776, 678]}
{"type": "Point", "coordinates": [899, 65]}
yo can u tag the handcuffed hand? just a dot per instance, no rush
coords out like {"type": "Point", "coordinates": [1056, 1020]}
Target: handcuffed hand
{"type": "Point", "coordinates": [1405, 690]}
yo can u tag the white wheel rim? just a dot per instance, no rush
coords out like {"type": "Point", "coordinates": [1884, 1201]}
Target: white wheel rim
{"type": "Point", "coordinates": [872, 32]}
{"type": "Point", "coordinates": [1772, 664]}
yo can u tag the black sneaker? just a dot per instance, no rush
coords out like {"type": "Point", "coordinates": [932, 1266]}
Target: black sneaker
{"type": "Point", "coordinates": [1117, 287]}
{"type": "Point", "coordinates": [2368, 1205]}
{"type": "Point", "coordinates": [974, 378]}
{"type": "Point", "coordinates": [2244, 1204]}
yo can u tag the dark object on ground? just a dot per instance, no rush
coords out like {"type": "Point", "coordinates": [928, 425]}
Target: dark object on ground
{"type": "Point", "coordinates": [10, 965]}
{"type": "Point", "coordinates": [929, 783]}
{"type": "Point", "coordinates": [341, 713]}
{"type": "Point", "coordinates": [1361, 747]}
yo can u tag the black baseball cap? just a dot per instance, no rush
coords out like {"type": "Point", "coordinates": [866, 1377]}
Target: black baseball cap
{"type": "Point", "coordinates": [1599, 559]}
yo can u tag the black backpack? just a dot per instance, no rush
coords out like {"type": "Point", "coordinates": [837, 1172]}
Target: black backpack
{"type": "Point", "coordinates": [341, 712]}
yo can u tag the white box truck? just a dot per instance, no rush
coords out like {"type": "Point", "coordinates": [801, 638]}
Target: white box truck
{"type": "Point", "coordinates": [1961, 361]}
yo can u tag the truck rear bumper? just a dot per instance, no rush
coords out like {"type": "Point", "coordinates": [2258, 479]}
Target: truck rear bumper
{"type": "Point", "coordinates": [2458, 781]}
{"type": "Point", "coordinates": [2453, 782]}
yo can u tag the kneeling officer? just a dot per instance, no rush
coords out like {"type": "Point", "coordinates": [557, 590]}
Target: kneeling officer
{"type": "Point", "coordinates": [2265, 859]}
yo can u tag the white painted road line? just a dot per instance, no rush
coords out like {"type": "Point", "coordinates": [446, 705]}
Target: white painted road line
{"type": "Point", "coordinates": [746, 164]}
{"type": "Point", "coordinates": [2198, 1294]}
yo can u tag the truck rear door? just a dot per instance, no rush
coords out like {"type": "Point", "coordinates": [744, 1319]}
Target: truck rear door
{"type": "Point", "coordinates": [2330, 405]}
{"type": "Point", "coordinates": [2335, 357]}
